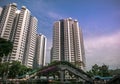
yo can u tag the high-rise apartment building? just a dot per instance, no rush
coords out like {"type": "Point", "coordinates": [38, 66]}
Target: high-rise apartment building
{"type": "Point", "coordinates": [29, 52]}
{"type": "Point", "coordinates": [0, 12]}
{"type": "Point", "coordinates": [20, 35]}
{"type": "Point", "coordinates": [7, 19]}
{"type": "Point", "coordinates": [68, 42]}
{"type": "Point", "coordinates": [40, 54]}
{"type": "Point", "coordinates": [20, 27]}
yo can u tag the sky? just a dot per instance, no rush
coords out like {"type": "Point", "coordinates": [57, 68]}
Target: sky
{"type": "Point", "coordinates": [98, 19]}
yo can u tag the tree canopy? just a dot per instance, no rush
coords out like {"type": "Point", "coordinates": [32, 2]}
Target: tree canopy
{"type": "Point", "coordinates": [12, 70]}
{"type": "Point", "coordinates": [6, 47]}
{"type": "Point", "coordinates": [99, 70]}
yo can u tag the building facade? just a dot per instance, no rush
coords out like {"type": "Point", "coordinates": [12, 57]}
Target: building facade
{"type": "Point", "coordinates": [29, 52]}
{"type": "Point", "coordinates": [19, 39]}
{"type": "Point", "coordinates": [7, 20]}
{"type": "Point", "coordinates": [40, 54]}
{"type": "Point", "coordinates": [0, 12]}
{"type": "Point", "coordinates": [68, 42]}
{"type": "Point", "coordinates": [20, 27]}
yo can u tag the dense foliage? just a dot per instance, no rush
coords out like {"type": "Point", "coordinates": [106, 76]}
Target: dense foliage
{"type": "Point", "coordinates": [12, 70]}
{"type": "Point", "coordinates": [103, 71]}
{"type": "Point", "coordinates": [99, 70]}
{"type": "Point", "coordinates": [6, 47]}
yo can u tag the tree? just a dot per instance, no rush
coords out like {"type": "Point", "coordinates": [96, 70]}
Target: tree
{"type": "Point", "coordinates": [6, 47]}
{"type": "Point", "coordinates": [104, 71]}
{"type": "Point", "coordinates": [14, 69]}
{"type": "Point", "coordinates": [95, 69]}
{"type": "Point", "coordinates": [114, 72]}
{"type": "Point", "coordinates": [17, 69]}
{"type": "Point", "coordinates": [4, 68]}
{"type": "Point", "coordinates": [99, 70]}
{"type": "Point", "coordinates": [23, 70]}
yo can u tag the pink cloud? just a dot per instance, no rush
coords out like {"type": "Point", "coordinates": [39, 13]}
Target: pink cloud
{"type": "Point", "coordinates": [103, 49]}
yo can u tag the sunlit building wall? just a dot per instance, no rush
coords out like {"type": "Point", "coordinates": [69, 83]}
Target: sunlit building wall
{"type": "Point", "coordinates": [0, 12]}
{"type": "Point", "coordinates": [6, 20]}
{"type": "Point", "coordinates": [20, 27]}
{"type": "Point", "coordinates": [30, 43]}
{"type": "Point", "coordinates": [20, 35]}
{"type": "Point", "coordinates": [40, 55]}
{"type": "Point", "coordinates": [68, 42]}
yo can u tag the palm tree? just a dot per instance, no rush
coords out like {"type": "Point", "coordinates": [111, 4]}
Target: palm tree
{"type": "Point", "coordinates": [6, 47]}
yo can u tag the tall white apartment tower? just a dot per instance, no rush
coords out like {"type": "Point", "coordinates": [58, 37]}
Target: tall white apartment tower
{"type": "Point", "coordinates": [20, 36]}
{"type": "Point", "coordinates": [68, 42]}
{"type": "Point", "coordinates": [7, 20]}
{"type": "Point", "coordinates": [20, 27]}
{"type": "Point", "coordinates": [0, 12]}
{"type": "Point", "coordinates": [30, 43]}
{"type": "Point", "coordinates": [40, 54]}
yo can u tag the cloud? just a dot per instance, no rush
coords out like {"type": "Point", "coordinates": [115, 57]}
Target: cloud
{"type": "Point", "coordinates": [54, 15]}
{"type": "Point", "coordinates": [103, 50]}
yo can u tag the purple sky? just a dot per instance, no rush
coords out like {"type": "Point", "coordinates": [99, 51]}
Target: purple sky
{"type": "Point", "coordinates": [98, 19]}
